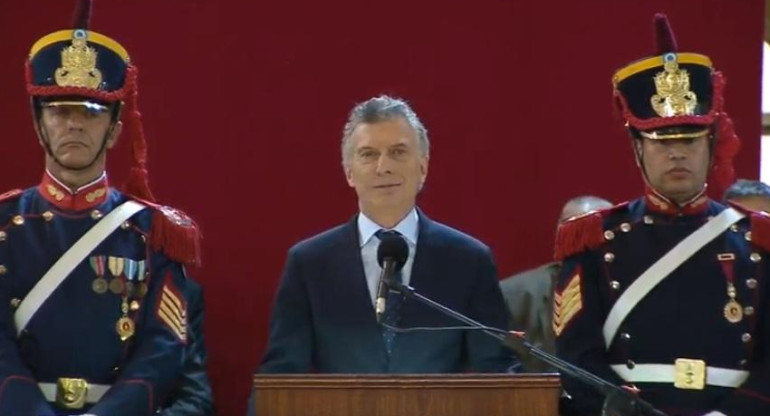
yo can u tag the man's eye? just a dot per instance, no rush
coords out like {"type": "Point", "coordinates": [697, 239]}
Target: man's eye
{"type": "Point", "coordinates": [60, 111]}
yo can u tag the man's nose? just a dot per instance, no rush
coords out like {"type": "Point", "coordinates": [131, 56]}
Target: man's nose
{"type": "Point", "coordinates": [676, 151]}
{"type": "Point", "coordinates": [383, 164]}
{"type": "Point", "coordinates": [75, 120]}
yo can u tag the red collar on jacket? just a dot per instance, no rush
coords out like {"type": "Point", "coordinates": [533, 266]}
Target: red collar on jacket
{"type": "Point", "coordinates": [660, 204]}
{"type": "Point", "coordinates": [86, 197]}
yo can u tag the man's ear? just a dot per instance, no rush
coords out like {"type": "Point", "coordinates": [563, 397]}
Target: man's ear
{"type": "Point", "coordinates": [638, 152]}
{"type": "Point", "coordinates": [113, 139]}
{"type": "Point", "coordinates": [37, 115]}
{"type": "Point", "coordinates": [349, 177]}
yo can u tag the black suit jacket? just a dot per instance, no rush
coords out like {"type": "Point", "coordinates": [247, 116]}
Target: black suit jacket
{"type": "Point", "coordinates": [323, 319]}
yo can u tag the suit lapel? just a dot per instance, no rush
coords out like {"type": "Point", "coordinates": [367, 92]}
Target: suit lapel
{"type": "Point", "coordinates": [350, 278]}
{"type": "Point", "coordinates": [419, 279]}
{"type": "Point", "coordinates": [349, 271]}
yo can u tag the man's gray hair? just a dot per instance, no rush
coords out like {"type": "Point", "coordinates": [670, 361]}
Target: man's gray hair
{"type": "Point", "coordinates": [379, 109]}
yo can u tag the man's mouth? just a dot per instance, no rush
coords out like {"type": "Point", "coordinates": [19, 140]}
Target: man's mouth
{"type": "Point", "coordinates": [72, 144]}
{"type": "Point", "coordinates": [678, 170]}
{"type": "Point", "coordinates": [387, 186]}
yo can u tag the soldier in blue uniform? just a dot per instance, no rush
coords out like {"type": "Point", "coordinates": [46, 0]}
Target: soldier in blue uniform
{"type": "Point", "coordinates": [92, 312]}
{"type": "Point", "coordinates": [669, 293]}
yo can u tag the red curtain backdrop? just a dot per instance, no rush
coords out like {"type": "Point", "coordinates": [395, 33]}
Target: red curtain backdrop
{"type": "Point", "coordinates": [244, 102]}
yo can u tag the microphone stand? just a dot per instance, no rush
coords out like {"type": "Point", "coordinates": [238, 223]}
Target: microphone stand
{"type": "Point", "coordinates": [621, 401]}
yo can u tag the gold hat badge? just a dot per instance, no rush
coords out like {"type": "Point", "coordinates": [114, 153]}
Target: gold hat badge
{"type": "Point", "coordinates": [78, 64]}
{"type": "Point", "coordinates": [673, 96]}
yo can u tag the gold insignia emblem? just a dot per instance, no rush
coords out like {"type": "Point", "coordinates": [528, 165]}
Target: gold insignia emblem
{"type": "Point", "coordinates": [55, 192]}
{"type": "Point", "coordinates": [657, 202]}
{"type": "Point", "coordinates": [567, 304]}
{"type": "Point", "coordinates": [94, 195]}
{"type": "Point", "coordinates": [71, 393]}
{"type": "Point", "coordinates": [673, 96]}
{"type": "Point", "coordinates": [78, 64]}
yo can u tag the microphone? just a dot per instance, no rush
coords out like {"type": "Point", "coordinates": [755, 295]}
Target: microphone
{"type": "Point", "coordinates": [391, 255]}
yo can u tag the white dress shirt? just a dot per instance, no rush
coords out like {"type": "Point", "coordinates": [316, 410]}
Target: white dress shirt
{"type": "Point", "coordinates": [408, 227]}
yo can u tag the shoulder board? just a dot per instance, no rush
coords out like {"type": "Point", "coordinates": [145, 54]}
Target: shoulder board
{"type": "Point", "coordinates": [583, 232]}
{"type": "Point", "coordinates": [10, 195]}
{"type": "Point", "coordinates": [759, 225]}
{"type": "Point", "coordinates": [174, 233]}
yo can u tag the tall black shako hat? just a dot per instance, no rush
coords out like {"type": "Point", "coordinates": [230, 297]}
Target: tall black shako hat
{"type": "Point", "coordinates": [677, 95]}
{"type": "Point", "coordinates": [78, 66]}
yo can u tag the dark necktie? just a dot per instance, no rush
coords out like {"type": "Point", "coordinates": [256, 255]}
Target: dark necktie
{"type": "Point", "coordinates": [393, 304]}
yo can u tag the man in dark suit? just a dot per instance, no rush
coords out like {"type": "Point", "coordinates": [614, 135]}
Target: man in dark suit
{"type": "Point", "coordinates": [323, 318]}
{"type": "Point", "coordinates": [529, 294]}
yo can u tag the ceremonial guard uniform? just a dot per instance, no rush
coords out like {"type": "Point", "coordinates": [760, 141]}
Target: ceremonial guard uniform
{"type": "Point", "coordinates": [669, 297]}
{"type": "Point", "coordinates": [92, 312]}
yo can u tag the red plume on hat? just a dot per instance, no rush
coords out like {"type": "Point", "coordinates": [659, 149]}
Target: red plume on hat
{"type": "Point", "coordinates": [82, 15]}
{"type": "Point", "coordinates": [665, 41]}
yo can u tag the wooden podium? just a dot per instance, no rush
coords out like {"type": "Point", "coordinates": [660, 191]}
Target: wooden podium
{"type": "Point", "coordinates": [407, 395]}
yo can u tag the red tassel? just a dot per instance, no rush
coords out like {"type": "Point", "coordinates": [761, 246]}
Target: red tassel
{"type": "Point", "coordinates": [137, 183]}
{"type": "Point", "coordinates": [176, 235]}
{"type": "Point", "coordinates": [578, 235]}
{"type": "Point", "coordinates": [728, 144]}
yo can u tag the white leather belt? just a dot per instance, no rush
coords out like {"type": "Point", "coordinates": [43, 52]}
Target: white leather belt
{"type": "Point", "coordinates": [666, 373]}
{"type": "Point", "coordinates": [93, 394]}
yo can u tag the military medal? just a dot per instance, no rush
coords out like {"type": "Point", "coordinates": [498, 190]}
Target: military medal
{"type": "Point", "coordinates": [117, 286]}
{"type": "Point", "coordinates": [733, 311]}
{"type": "Point", "coordinates": [141, 289]}
{"type": "Point", "coordinates": [99, 285]}
{"type": "Point", "coordinates": [125, 325]}
{"type": "Point", "coordinates": [125, 328]}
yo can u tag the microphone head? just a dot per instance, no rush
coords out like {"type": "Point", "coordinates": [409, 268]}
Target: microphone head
{"type": "Point", "coordinates": [394, 247]}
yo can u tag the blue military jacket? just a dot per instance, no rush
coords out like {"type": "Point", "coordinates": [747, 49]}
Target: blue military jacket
{"type": "Point", "coordinates": [683, 318]}
{"type": "Point", "coordinates": [83, 330]}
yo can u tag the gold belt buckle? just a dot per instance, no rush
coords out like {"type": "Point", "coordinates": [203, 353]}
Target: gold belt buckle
{"type": "Point", "coordinates": [71, 393]}
{"type": "Point", "coordinates": [689, 374]}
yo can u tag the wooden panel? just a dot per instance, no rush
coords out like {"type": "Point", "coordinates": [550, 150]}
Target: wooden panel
{"type": "Point", "coordinates": [405, 395]}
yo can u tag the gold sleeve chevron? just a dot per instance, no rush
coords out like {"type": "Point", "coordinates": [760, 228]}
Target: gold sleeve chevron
{"type": "Point", "coordinates": [172, 312]}
{"type": "Point", "coordinates": [566, 304]}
